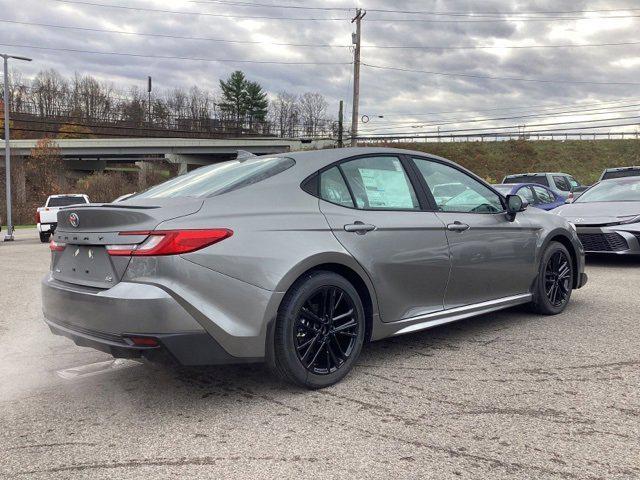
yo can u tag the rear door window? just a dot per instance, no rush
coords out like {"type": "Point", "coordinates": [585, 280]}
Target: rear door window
{"type": "Point", "coordinates": [380, 183]}
{"type": "Point", "coordinates": [562, 183]}
{"type": "Point", "coordinates": [334, 189]}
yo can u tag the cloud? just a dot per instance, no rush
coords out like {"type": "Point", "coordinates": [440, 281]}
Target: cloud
{"type": "Point", "coordinates": [399, 96]}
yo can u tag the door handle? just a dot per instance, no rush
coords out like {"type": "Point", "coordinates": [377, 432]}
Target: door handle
{"type": "Point", "coordinates": [359, 227]}
{"type": "Point", "coordinates": [458, 227]}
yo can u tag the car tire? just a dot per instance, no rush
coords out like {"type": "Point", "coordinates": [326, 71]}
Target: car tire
{"type": "Point", "coordinates": [44, 237]}
{"type": "Point", "coordinates": [555, 280]}
{"type": "Point", "coordinates": [315, 346]}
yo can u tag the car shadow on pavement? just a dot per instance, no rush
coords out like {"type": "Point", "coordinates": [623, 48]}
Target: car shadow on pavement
{"type": "Point", "coordinates": [607, 260]}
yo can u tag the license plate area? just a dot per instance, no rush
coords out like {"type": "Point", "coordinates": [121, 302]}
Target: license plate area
{"type": "Point", "coordinates": [85, 265]}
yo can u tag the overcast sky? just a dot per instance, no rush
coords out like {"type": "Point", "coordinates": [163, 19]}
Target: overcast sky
{"type": "Point", "coordinates": [399, 96]}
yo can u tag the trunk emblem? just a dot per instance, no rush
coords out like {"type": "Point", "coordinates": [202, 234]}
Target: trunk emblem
{"type": "Point", "coordinates": [90, 253]}
{"type": "Point", "coordinates": [74, 220]}
{"type": "Point", "coordinates": [75, 254]}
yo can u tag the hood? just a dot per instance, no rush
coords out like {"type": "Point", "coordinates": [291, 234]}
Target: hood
{"type": "Point", "coordinates": [598, 213]}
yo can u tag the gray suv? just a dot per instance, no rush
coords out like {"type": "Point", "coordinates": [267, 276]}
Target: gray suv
{"type": "Point", "coordinates": [561, 183]}
{"type": "Point", "coordinates": [299, 259]}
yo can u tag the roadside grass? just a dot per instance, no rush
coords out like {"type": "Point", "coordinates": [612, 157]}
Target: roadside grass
{"type": "Point", "coordinates": [493, 160]}
{"type": "Point", "coordinates": [18, 227]}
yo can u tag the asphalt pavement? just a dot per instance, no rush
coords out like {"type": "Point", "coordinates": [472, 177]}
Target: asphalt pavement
{"type": "Point", "coordinates": [505, 395]}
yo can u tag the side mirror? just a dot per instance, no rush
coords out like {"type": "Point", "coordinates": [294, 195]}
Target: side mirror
{"type": "Point", "coordinates": [515, 204]}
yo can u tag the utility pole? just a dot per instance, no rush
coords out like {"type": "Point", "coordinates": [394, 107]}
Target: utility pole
{"type": "Point", "coordinates": [149, 92]}
{"type": "Point", "coordinates": [355, 39]}
{"type": "Point", "coordinates": [7, 148]}
{"type": "Point", "coordinates": [340, 125]}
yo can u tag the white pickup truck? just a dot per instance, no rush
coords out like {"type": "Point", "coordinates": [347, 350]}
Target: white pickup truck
{"type": "Point", "coordinates": [47, 216]}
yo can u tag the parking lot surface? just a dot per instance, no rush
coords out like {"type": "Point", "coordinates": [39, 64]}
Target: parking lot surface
{"type": "Point", "coordinates": [505, 395]}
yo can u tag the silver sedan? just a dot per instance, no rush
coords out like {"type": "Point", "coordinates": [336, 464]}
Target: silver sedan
{"type": "Point", "coordinates": [607, 216]}
{"type": "Point", "coordinates": [299, 259]}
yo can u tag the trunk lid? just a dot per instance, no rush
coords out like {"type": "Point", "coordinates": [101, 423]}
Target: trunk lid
{"type": "Point", "coordinates": [86, 229]}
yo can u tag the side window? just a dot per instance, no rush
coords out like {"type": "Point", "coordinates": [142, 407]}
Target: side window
{"type": "Point", "coordinates": [333, 188]}
{"type": "Point", "coordinates": [527, 194]}
{"type": "Point", "coordinates": [544, 195]}
{"type": "Point", "coordinates": [380, 183]}
{"type": "Point", "coordinates": [562, 183]}
{"type": "Point", "coordinates": [469, 196]}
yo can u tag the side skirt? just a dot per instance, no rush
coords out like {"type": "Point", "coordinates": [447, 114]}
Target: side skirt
{"type": "Point", "coordinates": [423, 322]}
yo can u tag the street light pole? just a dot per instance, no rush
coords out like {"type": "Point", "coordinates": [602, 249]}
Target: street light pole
{"type": "Point", "coordinates": [7, 148]}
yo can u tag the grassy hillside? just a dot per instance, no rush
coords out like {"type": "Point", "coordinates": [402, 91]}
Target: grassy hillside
{"type": "Point", "coordinates": [492, 160]}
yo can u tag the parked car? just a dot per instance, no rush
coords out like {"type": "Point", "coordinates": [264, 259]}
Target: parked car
{"type": "Point", "coordinates": [620, 172]}
{"type": "Point", "coordinates": [46, 217]}
{"type": "Point", "coordinates": [298, 259]}
{"type": "Point", "coordinates": [607, 216]}
{"type": "Point", "coordinates": [561, 183]}
{"type": "Point", "coordinates": [536, 195]}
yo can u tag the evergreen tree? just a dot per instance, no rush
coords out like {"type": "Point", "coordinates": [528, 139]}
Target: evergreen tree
{"type": "Point", "coordinates": [234, 95]}
{"type": "Point", "coordinates": [257, 102]}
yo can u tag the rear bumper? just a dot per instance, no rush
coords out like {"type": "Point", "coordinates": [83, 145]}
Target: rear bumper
{"type": "Point", "coordinates": [104, 319]}
{"type": "Point", "coordinates": [46, 227]}
{"type": "Point", "coordinates": [188, 349]}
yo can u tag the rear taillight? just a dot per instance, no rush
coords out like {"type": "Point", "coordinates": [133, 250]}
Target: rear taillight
{"type": "Point", "coordinates": [56, 246]}
{"type": "Point", "coordinates": [169, 242]}
{"type": "Point", "coordinates": [37, 217]}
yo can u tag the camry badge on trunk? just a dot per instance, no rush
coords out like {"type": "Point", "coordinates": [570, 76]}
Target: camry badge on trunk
{"type": "Point", "coordinates": [74, 220]}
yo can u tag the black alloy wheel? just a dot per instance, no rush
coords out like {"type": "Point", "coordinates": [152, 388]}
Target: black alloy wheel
{"type": "Point", "coordinates": [326, 330]}
{"type": "Point", "coordinates": [319, 331]}
{"type": "Point", "coordinates": [557, 278]}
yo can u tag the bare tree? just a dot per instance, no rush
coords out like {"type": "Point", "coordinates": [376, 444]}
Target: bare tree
{"type": "Point", "coordinates": [285, 113]}
{"type": "Point", "coordinates": [49, 93]}
{"type": "Point", "coordinates": [313, 110]}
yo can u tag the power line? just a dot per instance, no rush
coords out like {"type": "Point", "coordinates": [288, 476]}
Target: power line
{"type": "Point", "coordinates": [170, 57]}
{"type": "Point", "coordinates": [528, 126]}
{"type": "Point", "coordinates": [482, 120]}
{"type": "Point", "coordinates": [410, 12]}
{"type": "Point", "coordinates": [205, 14]}
{"type": "Point", "coordinates": [522, 107]}
{"type": "Point", "coordinates": [318, 45]}
{"type": "Point", "coordinates": [162, 35]}
{"type": "Point", "coordinates": [488, 77]}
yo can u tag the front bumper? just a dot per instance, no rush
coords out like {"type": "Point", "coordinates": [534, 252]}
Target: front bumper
{"type": "Point", "coordinates": [611, 240]}
{"type": "Point", "coordinates": [105, 319]}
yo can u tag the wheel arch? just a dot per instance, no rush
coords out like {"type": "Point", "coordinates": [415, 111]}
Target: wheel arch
{"type": "Point", "coordinates": [345, 266]}
{"type": "Point", "coordinates": [561, 237]}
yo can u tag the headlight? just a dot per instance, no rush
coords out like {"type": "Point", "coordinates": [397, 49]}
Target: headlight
{"type": "Point", "coordinates": [629, 219]}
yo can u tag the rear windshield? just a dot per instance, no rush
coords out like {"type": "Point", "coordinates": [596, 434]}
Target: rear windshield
{"type": "Point", "coordinates": [626, 190]}
{"type": "Point", "coordinates": [539, 179]}
{"type": "Point", "coordinates": [219, 178]}
{"type": "Point", "coordinates": [65, 201]}
{"type": "Point", "coordinates": [629, 172]}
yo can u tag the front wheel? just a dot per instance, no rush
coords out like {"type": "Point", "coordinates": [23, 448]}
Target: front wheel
{"type": "Point", "coordinates": [44, 237]}
{"type": "Point", "coordinates": [555, 280]}
{"type": "Point", "coordinates": [319, 331]}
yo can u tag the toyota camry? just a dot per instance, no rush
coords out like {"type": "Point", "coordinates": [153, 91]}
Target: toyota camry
{"type": "Point", "coordinates": [299, 259]}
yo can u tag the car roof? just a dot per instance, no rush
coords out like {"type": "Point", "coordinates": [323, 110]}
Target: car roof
{"type": "Point", "coordinates": [310, 161]}
{"type": "Point", "coordinates": [536, 173]}
{"type": "Point", "coordinates": [618, 169]}
{"type": "Point", "coordinates": [67, 195]}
